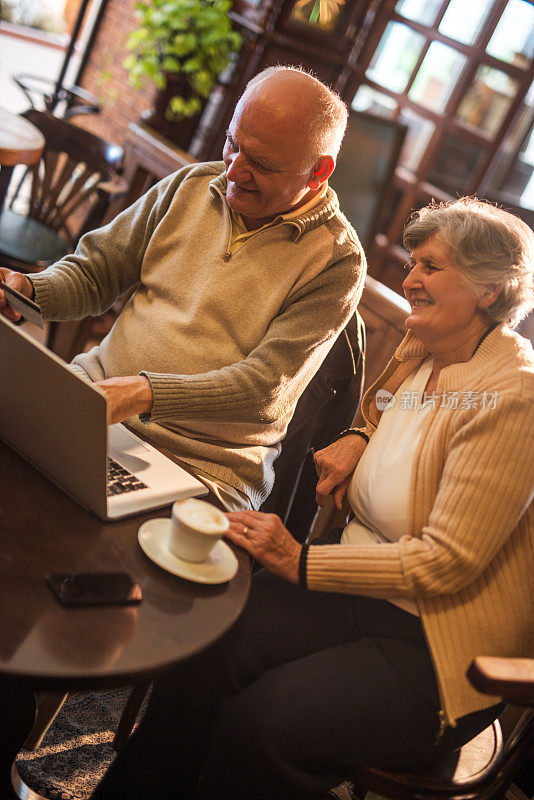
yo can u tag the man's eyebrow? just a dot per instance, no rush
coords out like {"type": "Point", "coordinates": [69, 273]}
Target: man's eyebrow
{"type": "Point", "coordinates": [258, 160]}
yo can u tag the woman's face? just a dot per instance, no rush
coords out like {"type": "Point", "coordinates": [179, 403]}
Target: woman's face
{"type": "Point", "coordinates": [443, 307]}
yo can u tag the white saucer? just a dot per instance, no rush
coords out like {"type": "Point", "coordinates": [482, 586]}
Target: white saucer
{"type": "Point", "coordinates": [220, 566]}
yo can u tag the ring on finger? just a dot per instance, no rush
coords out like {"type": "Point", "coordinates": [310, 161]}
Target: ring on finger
{"type": "Point", "coordinates": [245, 530]}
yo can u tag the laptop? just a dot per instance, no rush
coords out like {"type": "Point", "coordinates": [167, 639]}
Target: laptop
{"type": "Point", "coordinates": [57, 421]}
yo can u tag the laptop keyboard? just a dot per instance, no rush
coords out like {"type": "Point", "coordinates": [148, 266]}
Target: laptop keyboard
{"type": "Point", "coordinates": [120, 480]}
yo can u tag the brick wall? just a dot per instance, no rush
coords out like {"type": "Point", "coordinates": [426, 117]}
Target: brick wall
{"type": "Point", "coordinates": [105, 76]}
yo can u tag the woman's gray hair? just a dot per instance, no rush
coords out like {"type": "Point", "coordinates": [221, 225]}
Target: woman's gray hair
{"type": "Point", "coordinates": [491, 247]}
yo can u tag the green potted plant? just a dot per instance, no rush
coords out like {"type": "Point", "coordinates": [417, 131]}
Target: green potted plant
{"type": "Point", "coordinates": [180, 46]}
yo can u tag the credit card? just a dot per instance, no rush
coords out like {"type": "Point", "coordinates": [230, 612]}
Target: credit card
{"type": "Point", "coordinates": [27, 308]}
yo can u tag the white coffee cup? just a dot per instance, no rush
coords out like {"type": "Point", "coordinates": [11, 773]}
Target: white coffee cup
{"type": "Point", "coordinates": [196, 527]}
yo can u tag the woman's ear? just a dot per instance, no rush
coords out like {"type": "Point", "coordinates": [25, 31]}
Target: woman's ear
{"type": "Point", "coordinates": [321, 172]}
{"type": "Point", "coordinates": [489, 294]}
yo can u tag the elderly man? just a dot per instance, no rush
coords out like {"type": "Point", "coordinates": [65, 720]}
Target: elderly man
{"type": "Point", "coordinates": [246, 272]}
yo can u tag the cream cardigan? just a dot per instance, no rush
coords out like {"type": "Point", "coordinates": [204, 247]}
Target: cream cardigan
{"type": "Point", "coordinates": [468, 557]}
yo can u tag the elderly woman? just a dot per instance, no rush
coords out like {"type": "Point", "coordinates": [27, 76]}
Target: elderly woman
{"type": "Point", "coordinates": [355, 653]}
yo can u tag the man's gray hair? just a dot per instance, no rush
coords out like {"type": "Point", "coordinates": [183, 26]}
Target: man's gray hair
{"type": "Point", "coordinates": [490, 246]}
{"type": "Point", "coordinates": [327, 119]}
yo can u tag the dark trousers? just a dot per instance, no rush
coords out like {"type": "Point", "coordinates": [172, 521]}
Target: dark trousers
{"type": "Point", "coordinates": [17, 714]}
{"type": "Point", "coordinates": [305, 688]}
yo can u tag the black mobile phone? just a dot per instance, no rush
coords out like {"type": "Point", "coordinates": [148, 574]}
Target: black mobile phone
{"type": "Point", "coordinates": [94, 588]}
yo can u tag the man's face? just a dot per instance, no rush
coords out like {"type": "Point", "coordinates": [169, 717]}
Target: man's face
{"type": "Point", "coordinates": [265, 161]}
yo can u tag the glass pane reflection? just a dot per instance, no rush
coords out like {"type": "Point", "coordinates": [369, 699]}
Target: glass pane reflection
{"type": "Point", "coordinates": [367, 99]}
{"type": "Point", "coordinates": [455, 164]}
{"type": "Point", "coordinates": [513, 38]}
{"type": "Point", "coordinates": [463, 20]}
{"type": "Point", "coordinates": [395, 57]}
{"type": "Point", "coordinates": [424, 11]}
{"type": "Point", "coordinates": [486, 102]}
{"type": "Point", "coordinates": [417, 138]}
{"type": "Point", "coordinates": [437, 76]}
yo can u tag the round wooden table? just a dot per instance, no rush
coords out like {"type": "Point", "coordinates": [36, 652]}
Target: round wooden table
{"type": "Point", "coordinates": [54, 647]}
{"type": "Point", "coordinates": [20, 143]}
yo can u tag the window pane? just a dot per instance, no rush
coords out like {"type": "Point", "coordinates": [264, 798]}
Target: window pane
{"type": "Point", "coordinates": [437, 76]}
{"type": "Point", "coordinates": [463, 20]}
{"type": "Point", "coordinates": [417, 138]}
{"type": "Point", "coordinates": [455, 164]}
{"type": "Point", "coordinates": [424, 11]}
{"type": "Point", "coordinates": [513, 38]}
{"type": "Point", "coordinates": [367, 99]}
{"type": "Point", "coordinates": [44, 15]}
{"type": "Point", "coordinates": [486, 102]}
{"type": "Point", "coordinates": [525, 169]}
{"type": "Point", "coordinates": [395, 57]}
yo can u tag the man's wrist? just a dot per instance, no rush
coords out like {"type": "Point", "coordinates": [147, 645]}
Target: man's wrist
{"type": "Point", "coordinates": [32, 295]}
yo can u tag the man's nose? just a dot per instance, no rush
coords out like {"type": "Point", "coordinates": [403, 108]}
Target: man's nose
{"type": "Point", "coordinates": [237, 170]}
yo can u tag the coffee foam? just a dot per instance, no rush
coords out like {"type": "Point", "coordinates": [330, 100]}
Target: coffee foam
{"type": "Point", "coordinates": [201, 516]}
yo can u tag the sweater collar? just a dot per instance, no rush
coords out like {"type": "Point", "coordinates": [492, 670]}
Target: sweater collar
{"type": "Point", "coordinates": [498, 342]}
{"type": "Point", "coordinates": [325, 210]}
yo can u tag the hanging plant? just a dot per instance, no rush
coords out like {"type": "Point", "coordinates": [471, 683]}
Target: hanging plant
{"type": "Point", "coordinates": [189, 38]}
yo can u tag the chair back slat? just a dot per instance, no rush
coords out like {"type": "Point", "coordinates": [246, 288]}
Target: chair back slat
{"type": "Point", "coordinates": [64, 184]}
{"type": "Point", "coordinates": [79, 194]}
{"type": "Point", "coordinates": [63, 175]}
{"type": "Point", "coordinates": [46, 172]}
{"type": "Point", "coordinates": [68, 194]}
{"type": "Point", "coordinates": [35, 186]}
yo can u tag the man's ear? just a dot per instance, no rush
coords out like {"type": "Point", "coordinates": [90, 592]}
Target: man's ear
{"type": "Point", "coordinates": [489, 295]}
{"type": "Point", "coordinates": [321, 172]}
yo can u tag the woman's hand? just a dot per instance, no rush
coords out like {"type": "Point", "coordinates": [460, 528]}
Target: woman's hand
{"type": "Point", "coordinates": [19, 282]}
{"type": "Point", "coordinates": [126, 396]}
{"type": "Point", "coordinates": [267, 540]}
{"type": "Point", "coordinates": [335, 465]}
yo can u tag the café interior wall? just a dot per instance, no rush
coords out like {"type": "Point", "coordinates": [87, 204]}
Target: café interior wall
{"type": "Point", "coordinates": [106, 77]}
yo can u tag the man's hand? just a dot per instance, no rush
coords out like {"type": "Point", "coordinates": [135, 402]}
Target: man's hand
{"type": "Point", "coordinates": [126, 396]}
{"type": "Point", "coordinates": [267, 540]}
{"type": "Point", "coordinates": [19, 282]}
{"type": "Point", "coordinates": [335, 465]}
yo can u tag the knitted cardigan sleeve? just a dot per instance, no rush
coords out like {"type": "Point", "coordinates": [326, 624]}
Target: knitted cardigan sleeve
{"type": "Point", "coordinates": [485, 489]}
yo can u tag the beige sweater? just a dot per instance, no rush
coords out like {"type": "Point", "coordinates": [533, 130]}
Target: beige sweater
{"type": "Point", "coordinates": [468, 559]}
{"type": "Point", "coordinates": [227, 340]}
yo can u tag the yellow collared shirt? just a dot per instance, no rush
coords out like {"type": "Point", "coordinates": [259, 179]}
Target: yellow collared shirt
{"type": "Point", "coordinates": [239, 230]}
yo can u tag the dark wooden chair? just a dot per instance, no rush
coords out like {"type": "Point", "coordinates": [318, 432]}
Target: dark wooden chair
{"type": "Point", "coordinates": [325, 408]}
{"type": "Point", "coordinates": [482, 769]}
{"type": "Point", "coordinates": [364, 170]}
{"type": "Point", "coordinates": [69, 102]}
{"type": "Point", "coordinates": [71, 189]}
{"type": "Point", "coordinates": [383, 312]}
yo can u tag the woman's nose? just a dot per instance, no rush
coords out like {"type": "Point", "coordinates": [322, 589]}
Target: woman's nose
{"type": "Point", "coordinates": [412, 279]}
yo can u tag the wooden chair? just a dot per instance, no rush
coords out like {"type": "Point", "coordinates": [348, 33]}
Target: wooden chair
{"type": "Point", "coordinates": [483, 768]}
{"type": "Point", "coordinates": [383, 312]}
{"type": "Point", "coordinates": [71, 189]}
{"type": "Point", "coordinates": [325, 408]}
{"type": "Point", "coordinates": [364, 170]}
{"type": "Point", "coordinates": [72, 100]}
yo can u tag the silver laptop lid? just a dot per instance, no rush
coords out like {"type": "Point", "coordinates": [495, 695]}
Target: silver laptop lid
{"type": "Point", "coordinates": [53, 418]}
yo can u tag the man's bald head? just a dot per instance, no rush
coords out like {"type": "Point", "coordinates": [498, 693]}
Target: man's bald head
{"type": "Point", "coordinates": [281, 144]}
{"type": "Point", "coordinates": [296, 97]}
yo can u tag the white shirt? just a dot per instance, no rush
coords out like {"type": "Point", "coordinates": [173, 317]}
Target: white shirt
{"type": "Point", "coordinates": [380, 487]}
